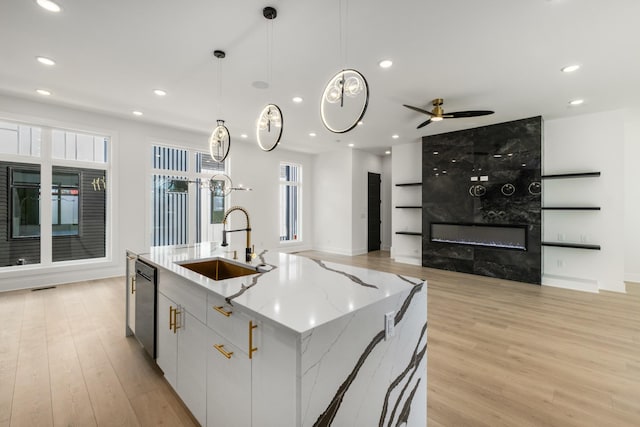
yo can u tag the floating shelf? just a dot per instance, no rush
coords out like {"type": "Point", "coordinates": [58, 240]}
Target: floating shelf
{"type": "Point", "coordinates": [571, 175]}
{"type": "Point", "coordinates": [570, 208]}
{"type": "Point", "coordinates": [408, 184]}
{"type": "Point", "coordinates": [571, 245]}
{"type": "Point", "coordinates": [408, 207]}
{"type": "Point", "coordinates": [410, 233]}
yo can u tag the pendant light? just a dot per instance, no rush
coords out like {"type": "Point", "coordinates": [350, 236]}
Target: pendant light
{"type": "Point", "coordinates": [346, 97]}
{"type": "Point", "coordinates": [270, 122]}
{"type": "Point", "coordinates": [220, 139]}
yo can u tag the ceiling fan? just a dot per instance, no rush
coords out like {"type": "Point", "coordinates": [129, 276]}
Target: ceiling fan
{"type": "Point", "coordinates": [438, 113]}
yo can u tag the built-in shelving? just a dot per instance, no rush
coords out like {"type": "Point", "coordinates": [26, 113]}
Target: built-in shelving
{"type": "Point", "coordinates": [570, 208]}
{"type": "Point", "coordinates": [408, 207]}
{"type": "Point", "coordinates": [571, 175]}
{"type": "Point", "coordinates": [571, 245]}
{"type": "Point", "coordinates": [410, 233]}
{"type": "Point", "coordinates": [409, 184]}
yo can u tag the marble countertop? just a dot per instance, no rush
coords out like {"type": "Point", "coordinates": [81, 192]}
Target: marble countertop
{"type": "Point", "coordinates": [294, 291]}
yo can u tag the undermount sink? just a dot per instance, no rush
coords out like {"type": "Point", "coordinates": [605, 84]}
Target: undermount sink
{"type": "Point", "coordinates": [218, 269]}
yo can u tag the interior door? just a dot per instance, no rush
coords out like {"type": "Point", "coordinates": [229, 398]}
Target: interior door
{"type": "Point", "coordinates": [373, 212]}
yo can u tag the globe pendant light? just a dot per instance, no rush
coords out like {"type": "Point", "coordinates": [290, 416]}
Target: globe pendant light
{"type": "Point", "coordinates": [220, 139]}
{"type": "Point", "coordinates": [270, 122]}
{"type": "Point", "coordinates": [346, 97]}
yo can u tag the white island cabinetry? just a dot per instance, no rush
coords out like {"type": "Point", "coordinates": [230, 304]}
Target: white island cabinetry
{"type": "Point", "coordinates": [181, 340]}
{"type": "Point", "coordinates": [299, 343]}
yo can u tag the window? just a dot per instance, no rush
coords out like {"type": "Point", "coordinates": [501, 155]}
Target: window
{"type": "Point", "coordinates": [65, 205]}
{"type": "Point", "coordinates": [25, 203]}
{"type": "Point", "coordinates": [290, 202]}
{"type": "Point", "coordinates": [181, 175]}
{"type": "Point", "coordinates": [20, 139]}
{"type": "Point", "coordinates": [77, 146]}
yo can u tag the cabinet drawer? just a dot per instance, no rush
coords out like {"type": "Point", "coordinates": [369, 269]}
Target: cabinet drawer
{"type": "Point", "coordinates": [231, 323]}
{"type": "Point", "coordinates": [189, 296]}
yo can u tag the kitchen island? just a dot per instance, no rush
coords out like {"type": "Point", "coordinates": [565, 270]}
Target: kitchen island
{"type": "Point", "coordinates": [292, 342]}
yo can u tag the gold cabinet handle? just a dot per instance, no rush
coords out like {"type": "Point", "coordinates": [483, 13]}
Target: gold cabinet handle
{"type": "Point", "coordinates": [220, 348]}
{"type": "Point", "coordinates": [172, 318]}
{"type": "Point", "coordinates": [251, 347]}
{"type": "Point", "coordinates": [176, 313]}
{"type": "Point", "coordinates": [133, 284]}
{"type": "Point", "coordinates": [222, 311]}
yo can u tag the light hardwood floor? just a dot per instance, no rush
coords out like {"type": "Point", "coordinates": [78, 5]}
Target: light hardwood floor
{"type": "Point", "coordinates": [500, 354]}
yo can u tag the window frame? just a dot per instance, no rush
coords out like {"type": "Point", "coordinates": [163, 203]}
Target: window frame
{"type": "Point", "coordinates": [12, 186]}
{"type": "Point", "coordinates": [284, 209]}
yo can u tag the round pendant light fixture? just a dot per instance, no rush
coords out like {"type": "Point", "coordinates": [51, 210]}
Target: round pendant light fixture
{"type": "Point", "coordinates": [269, 127]}
{"type": "Point", "coordinates": [344, 101]}
{"type": "Point", "coordinates": [219, 142]}
{"type": "Point", "coordinates": [220, 185]}
{"type": "Point", "coordinates": [346, 97]}
{"type": "Point", "coordinates": [270, 121]}
{"type": "Point", "coordinates": [220, 139]}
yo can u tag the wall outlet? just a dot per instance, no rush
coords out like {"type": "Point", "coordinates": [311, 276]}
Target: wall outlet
{"type": "Point", "coordinates": [560, 237]}
{"type": "Point", "coordinates": [560, 263]}
{"type": "Point", "coordinates": [583, 238]}
{"type": "Point", "coordinates": [389, 325]}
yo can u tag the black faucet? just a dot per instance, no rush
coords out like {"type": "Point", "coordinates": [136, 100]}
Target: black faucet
{"type": "Point", "coordinates": [249, 250]}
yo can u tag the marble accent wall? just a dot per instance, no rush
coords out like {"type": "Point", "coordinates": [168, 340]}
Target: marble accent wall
{"type": "Point", "coordinates": [485, 175]}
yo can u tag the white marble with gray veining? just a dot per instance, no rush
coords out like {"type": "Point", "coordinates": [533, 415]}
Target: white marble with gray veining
{"type": "Point", "coordinates": [293, 291]}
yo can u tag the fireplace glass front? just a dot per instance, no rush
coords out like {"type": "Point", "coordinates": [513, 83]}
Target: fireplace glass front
{"type": "Point", "coordinates": [495, 236]}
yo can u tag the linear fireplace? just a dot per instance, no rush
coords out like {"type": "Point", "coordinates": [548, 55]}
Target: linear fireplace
{"type": "Point", "coordinates": [494, 236]}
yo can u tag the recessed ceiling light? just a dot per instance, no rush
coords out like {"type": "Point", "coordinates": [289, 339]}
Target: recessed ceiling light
{"type": "Point", "coordinates": [43, 92]}
{"type": "Point", "coordinates": [444, 171]}
{"type": "Point", "coordinates": [387, 152]}
{"type": "Point", "coordinates": [435, 153]}
{"type": "Point", "coordinates": [497, 156]}
{"type": "Point", "coordinates": [137, 113]}
{"type": "Point", "coordinates": [351, 144]}
{"type": "Point", "coordinates": [385, 63]}
{"type": "Point", "coordinates": [244, 135]}
{"type": "Point", "coordinates": [159, 92]}
{"type": "Point", "coordinates": [45, 61]}
{"type": "Point", "coordinates": [576, 102]}
{"type": "Point", "coordinates": [360, 123]}
{"type": "Point", "coordinates": [312, 134]}
{"type": "Point", "coordinates": [570, 68]}
{"type": "Point", "coordinates": [297, 99]}
{"type": "Point", "coordinates": [524, 164]}
{"type": "Point", "coordinates": [395, 136]}
{"type": "Point", "coordinates": [453, 160]}
{"type": "Point", "coordinates": [435, 169]}
{"type": "Point", "coordinates": [49, 5]}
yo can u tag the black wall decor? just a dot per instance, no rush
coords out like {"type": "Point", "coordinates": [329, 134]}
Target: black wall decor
{"type": "Point", "coordinates": [484, 176]}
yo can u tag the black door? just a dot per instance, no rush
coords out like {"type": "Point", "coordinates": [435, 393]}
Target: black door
{"type": "Point", "coordinates": [373, 212]}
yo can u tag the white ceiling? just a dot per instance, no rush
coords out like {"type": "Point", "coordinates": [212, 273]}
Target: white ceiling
{"type": "Point", "coordinates": [502, 55]}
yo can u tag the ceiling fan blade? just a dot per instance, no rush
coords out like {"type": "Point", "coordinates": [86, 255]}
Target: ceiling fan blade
{"type": "Point", "coordinates": [472, 113]}
{"type": "Point", "coordinates": [419, 110]}
{"type": "Point", "coordinates": [421, 125]}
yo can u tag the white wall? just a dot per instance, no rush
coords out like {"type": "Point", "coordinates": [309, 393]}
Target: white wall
{"type": "Point", "coordinates": [406, 163]}
{"type": "Point", "coordinates": [632, 196]}
{"type": "Point", "coordinates": [260, 170]}
{"type": "Point", "coordinates": [130, 211]}
{"type": "Point", "coordinates": [332, 201]}
{"type": "Point", "coordinates": [385, 193]}
{"type": "Point", "coordinates": [593, 142]}
{"type": "Point", "coordinates": [363, 163]}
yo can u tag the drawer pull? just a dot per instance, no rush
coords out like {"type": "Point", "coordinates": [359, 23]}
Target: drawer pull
{"type": "Point", "coordinates": [252, 349]}
{"type": "Point", "coordinates": [220, 348]}
{"type": "Point", "coordinates": [222, 311]}
{"type": "Point", "coordinates": [133, 285]}
{"type": "Point", "coordinates": [173, 319]}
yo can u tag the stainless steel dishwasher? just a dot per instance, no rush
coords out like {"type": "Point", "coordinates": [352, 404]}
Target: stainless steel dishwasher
{"type": "Point", "coordinates": [146, 298]}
